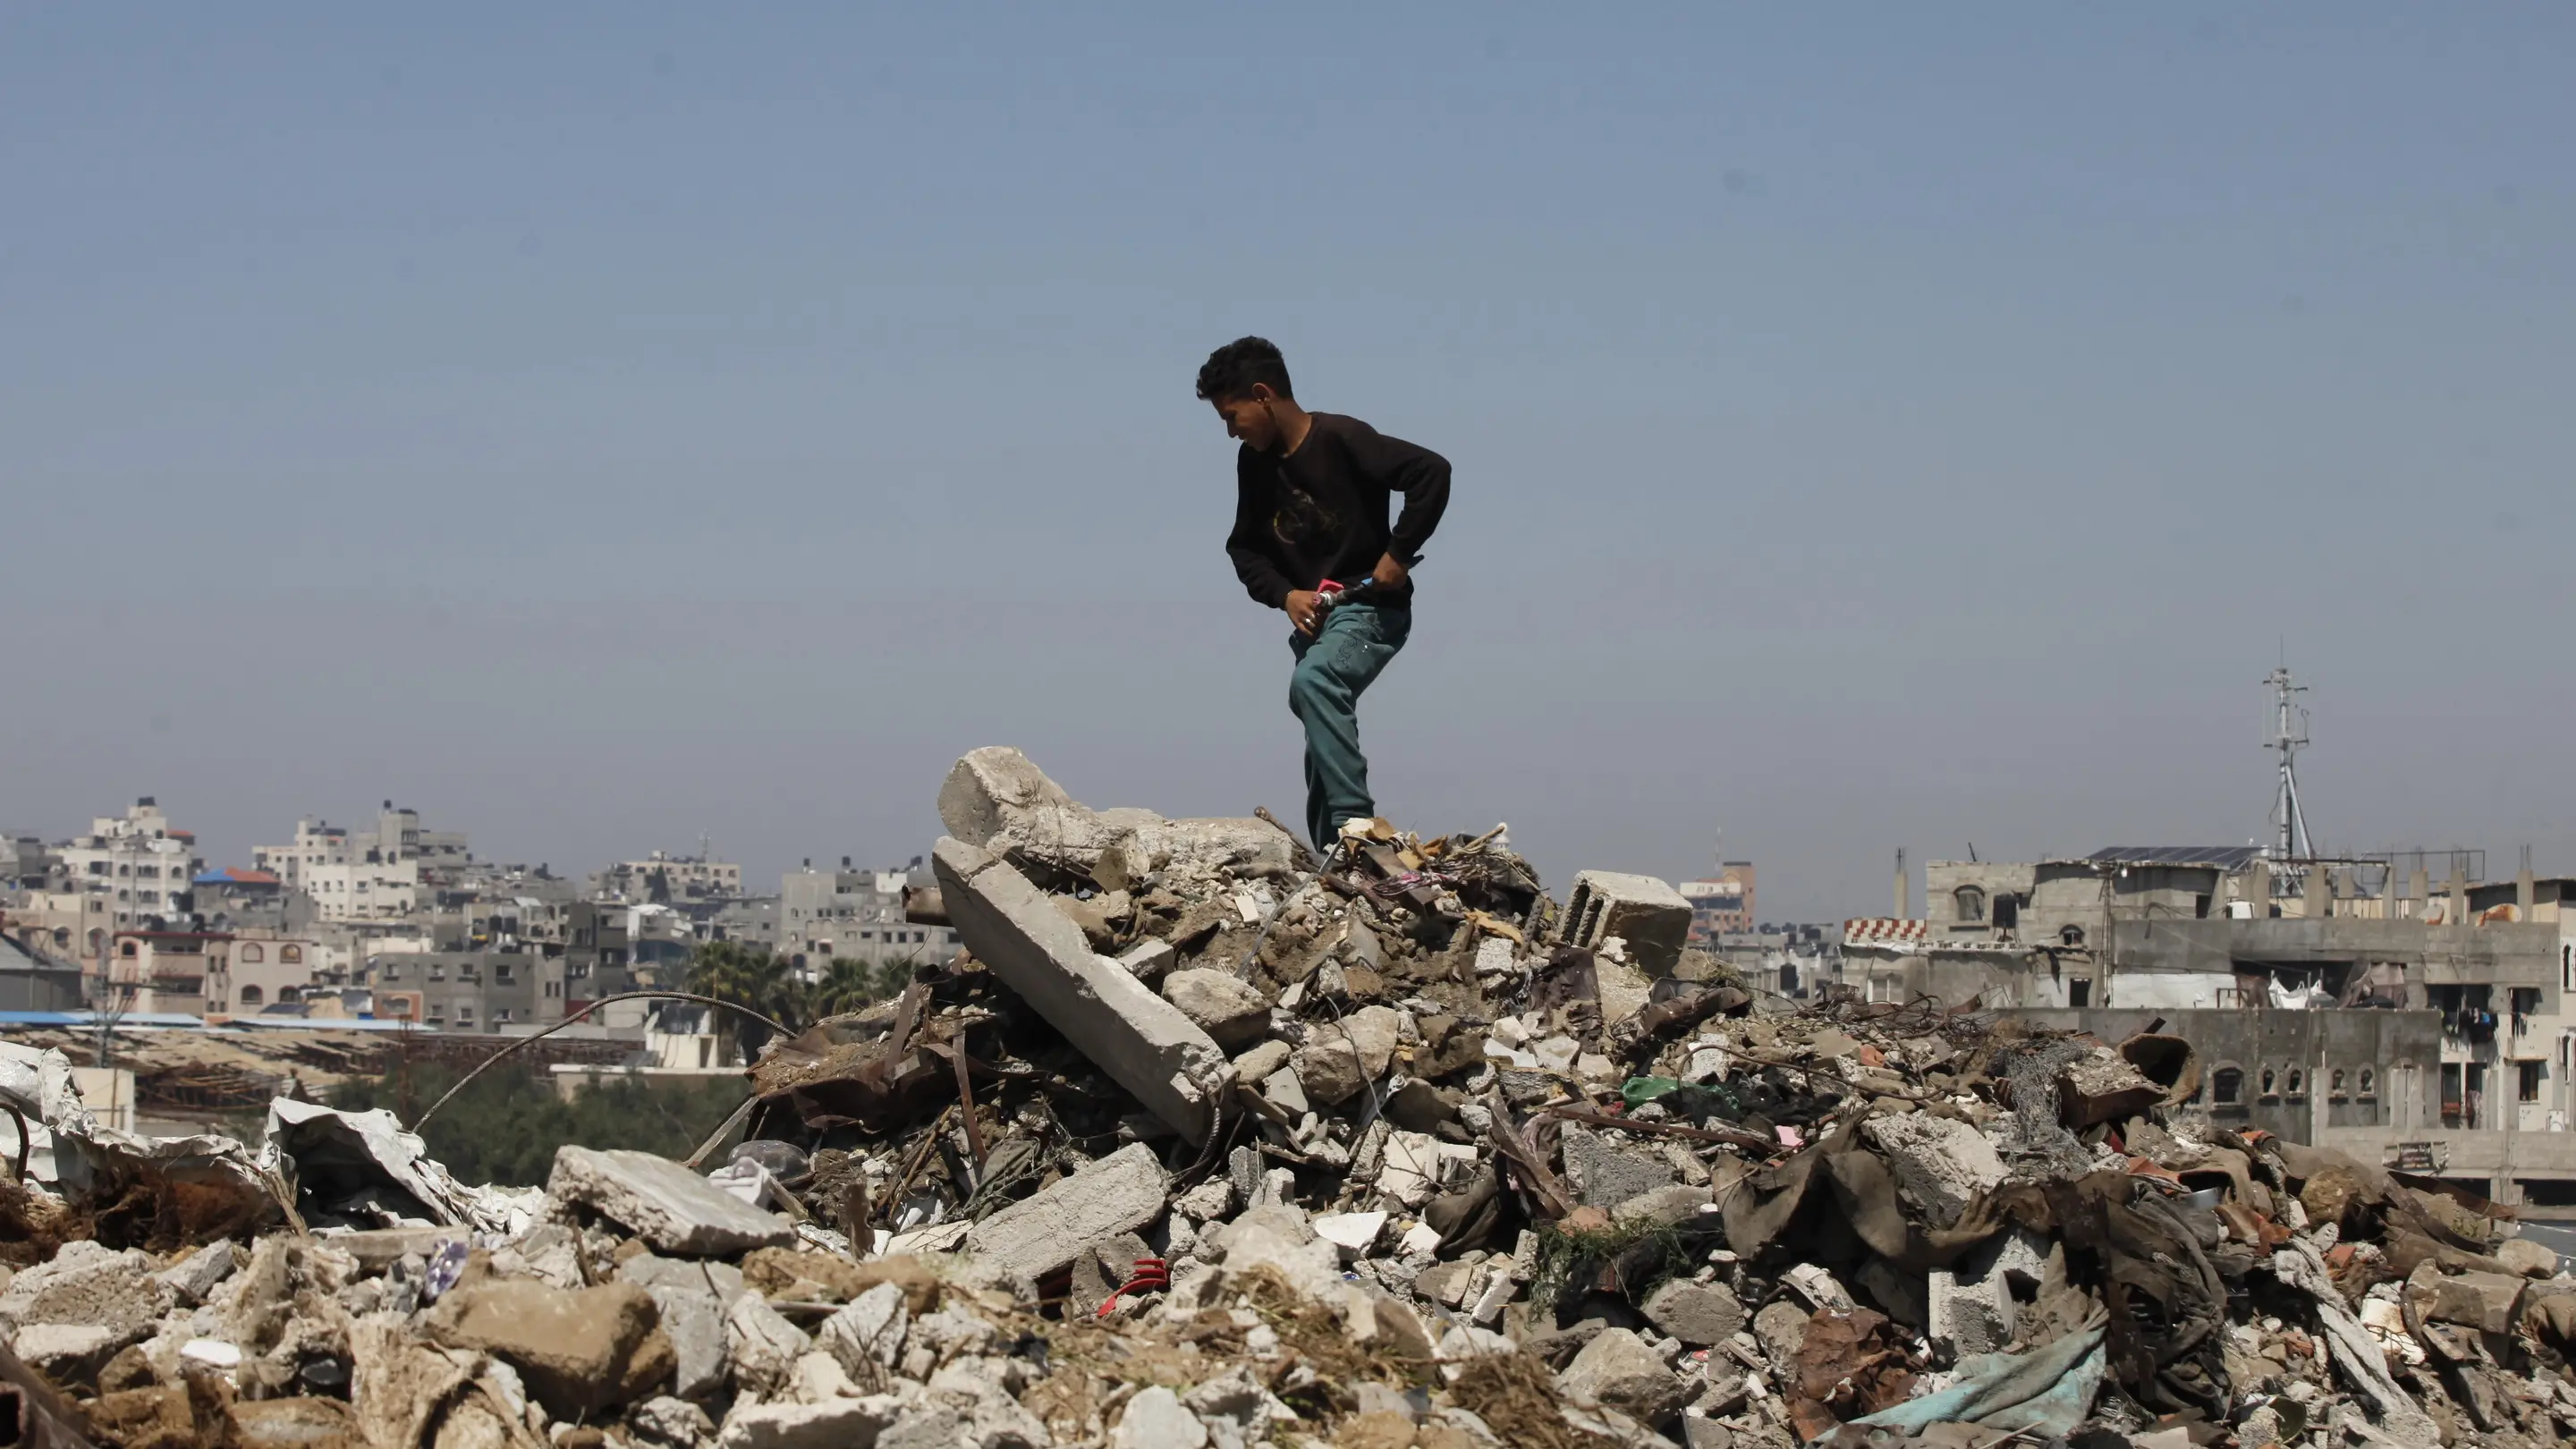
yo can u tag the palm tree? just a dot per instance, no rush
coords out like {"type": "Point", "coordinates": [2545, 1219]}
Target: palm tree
{"type": "Point", "coordinates": [850, 985]}
{"type": "Point", "coordinates": [744, 974]}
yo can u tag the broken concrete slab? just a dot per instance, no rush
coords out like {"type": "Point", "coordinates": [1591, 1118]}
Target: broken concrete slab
{"type": "Point", "coordinates": [1046, 1230]}
{"type": "Point", "coordinates": [1646, 913]}
{"type": "Point", "coordinates": [1229, 1010]}
{"type": "Point", "coordinates": [651, 1270]}
{"type": "Point", "coordinates": [671, 1208]}
{"type": "Point", "coordinates": [67, 1353]}
{"type": "Point", "coordinates": [88, 1282]}
{"type": "Point", "coordinates": [866, 1336]}
{"type": "Point", "coordinates": [832, 1424]}
{"type": "Point", "coordinates": [1165, 1060]}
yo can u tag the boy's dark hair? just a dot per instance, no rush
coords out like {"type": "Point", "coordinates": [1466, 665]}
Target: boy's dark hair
{"type": "Point", "coordinates": [1231, 370]}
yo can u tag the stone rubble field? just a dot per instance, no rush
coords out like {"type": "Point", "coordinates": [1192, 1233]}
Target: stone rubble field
{"type": "Point", "coordinates": [1205, 1143]}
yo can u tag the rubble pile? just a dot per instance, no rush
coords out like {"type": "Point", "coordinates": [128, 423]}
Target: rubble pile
{"type": "Point", "coordinates": [1205, 1142]}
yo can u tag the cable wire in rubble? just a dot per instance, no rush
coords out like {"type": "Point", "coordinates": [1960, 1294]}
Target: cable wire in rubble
{"type": "Point", "coordinates": [486, 1063]}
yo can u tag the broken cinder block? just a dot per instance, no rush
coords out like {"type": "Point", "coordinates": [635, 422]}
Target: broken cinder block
{"type": "Point", "coordinates": [1648, 914]}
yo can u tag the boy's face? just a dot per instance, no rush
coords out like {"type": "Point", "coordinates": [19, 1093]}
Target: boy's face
{"type": "Point", "coordinates": [1251, 419]}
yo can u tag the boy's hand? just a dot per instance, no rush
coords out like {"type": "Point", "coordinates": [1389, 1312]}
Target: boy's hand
{"type": "Point", "coordinates": [1390, 572]}
{"type": "Point", "coordinates": [1302, 611]}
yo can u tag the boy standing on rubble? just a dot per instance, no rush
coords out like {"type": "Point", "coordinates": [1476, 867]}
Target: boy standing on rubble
{"type": "Point", "coordinates": [1312, 492]}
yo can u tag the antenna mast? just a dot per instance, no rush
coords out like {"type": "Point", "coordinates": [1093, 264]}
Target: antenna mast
{"type": "Point", "coordinates": [2289, 736]}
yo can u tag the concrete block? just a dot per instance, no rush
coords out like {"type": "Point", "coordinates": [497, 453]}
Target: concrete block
{"type": "Point", "coordinates": [695, 1324]}
{"type": "Point", "coordinates": [671, 1208]}
{"type": "Point", "coordinates": [1970, 1305]}
{"type": "Point", "coordinates": [1618, 1371]}
{"type": "Point", "coordinates": [1940, 1161]}
{"type": "Point", "coordinates": [1041, 1233]}
{"type": "Point", "coordinates": [1645, 912]}
{"type": "Point", "coordinates": [1698, 1314]}
{"type": "Point", "coordinates": [1341, 1057]}
{"type": "Point", "coordinates": [866, 1335]}
{"type": "Point", "coordinates": [1604, 1174]}
{"type": "Point", "coordinates": [1230, 1011]}
{"type": "Point", "coordinates": [579, 1350]}
{"type": "Point", "coordinates": [995, 787]}
{"type": "Point", "coordinates": [2483, 1301]}
{"type": "Point", "coordinates": [839, 1424]}
{"type": "Point", "coordinates": [2530, 1259]}
{"type": "Point", "coordinates": [1142, 1041]}
{"type": "Point", "coordinates": [197, 1275]}
{"type": "Point", "coordinates": [764, 1346]}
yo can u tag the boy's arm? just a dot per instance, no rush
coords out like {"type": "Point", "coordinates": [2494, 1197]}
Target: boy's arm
{"type": "Point", "coordinates": [1261, 577]}
{"type": "Point", "coordinates": [1418, 473]}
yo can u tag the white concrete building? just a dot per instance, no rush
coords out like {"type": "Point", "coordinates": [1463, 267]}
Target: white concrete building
{"type": "Point", "coordinates": [137, 862]}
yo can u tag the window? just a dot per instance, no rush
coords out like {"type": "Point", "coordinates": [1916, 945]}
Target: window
{"type": "Point", "coordinates": [125, 949]}
{"type": "Point", "coordinates": [251, 996]}
{"type": "Point", "coordinates": [289, 995]}
{"type": "Point", "coordinates": [251, 951]}
{"type": "Point", "coordinates": [2270, 1085]}
{"type": "Point", "coordinates": [501, 973]}
{"type": "Point", "coordinates": [2334, 1085]}
{"type": "Point", "coordinates": [465, 1016]}
{"type": "Point", "coordinates": [2007, 913]}
{"type": "Point", "coordinates": [2227, 1086]}
{"type": "Point", "coordinates": [2200, 906]}
{"type": "Point", "coordinates": [2070, 935]}
{"type": "Point", "coordinates": [2079, 993]}
{"type": "Point", "coordinates": [501, 1014]}
{"type": "Point", "coordinates": [2297, 1084]}
{"type": "Point", "coordinates": [2369, 1084]}
{"type": "Point", "coordinates": [392, 973]}
{"type": "Point", "coordinates": [291, 955]}
{"type": "Point", "coordinates": [1970, 904]}
{"type": "Point", "coordinates": [2528, 1088]}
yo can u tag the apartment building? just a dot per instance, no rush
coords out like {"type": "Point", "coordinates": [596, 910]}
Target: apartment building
{"type": "Point", "coordinates": [855, 915]}
{"type": "Point", "coordinates": [137, 863]}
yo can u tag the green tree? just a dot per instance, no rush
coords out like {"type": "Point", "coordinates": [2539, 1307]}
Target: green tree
{"type": "Point", "coordinates": [849, 984]}
{"type": "Point", "coordinates": [505, 1126]}
{"type": "Point", "coordinates": [746, 975]}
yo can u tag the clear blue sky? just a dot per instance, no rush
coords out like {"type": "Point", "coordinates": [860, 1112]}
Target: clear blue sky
{"type": "Point", "coordinates": [1880, 426]}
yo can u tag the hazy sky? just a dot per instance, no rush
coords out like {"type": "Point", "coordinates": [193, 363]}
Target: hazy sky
{"type": "Point", "coordinates": [1873, 426]}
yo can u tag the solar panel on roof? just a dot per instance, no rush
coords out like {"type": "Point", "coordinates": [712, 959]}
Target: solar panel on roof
{"type": "Point", "coordinates": [2224, 857]}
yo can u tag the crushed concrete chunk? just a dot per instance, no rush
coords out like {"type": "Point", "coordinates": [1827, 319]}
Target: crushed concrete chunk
{"type": "Point", "coordinates": [581, 1350]}
{"type": "Point", "coordinates": [1156, 1419]}
{"type": "Point", "coordinates": [1942, 1162]}
{"type": "Point", "coordinates": [1617, 1370]}
{"type": "Point", "coordinates": [1698, 1314]}
{"type": "Point", "coordinates": [1228, 1010]}
{"type": "Point", "coordinates": [671, 1208]}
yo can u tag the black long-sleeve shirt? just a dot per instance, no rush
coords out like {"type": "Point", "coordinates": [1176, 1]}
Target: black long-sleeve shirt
{"type": "Point", "coordinates": [1320, 512]}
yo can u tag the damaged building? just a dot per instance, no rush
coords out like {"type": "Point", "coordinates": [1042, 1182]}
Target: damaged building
{"type": "Point", "coordinates": [2349, 1003]}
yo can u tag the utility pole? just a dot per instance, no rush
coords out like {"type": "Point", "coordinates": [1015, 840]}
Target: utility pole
{"type": "Point", "coordinates": [2290, 842]}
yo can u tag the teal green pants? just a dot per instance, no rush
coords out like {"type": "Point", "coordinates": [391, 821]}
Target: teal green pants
{"type": "Point", "coordinates": [1333, 668]}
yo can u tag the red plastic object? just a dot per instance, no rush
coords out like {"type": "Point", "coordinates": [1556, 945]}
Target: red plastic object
{"type": "Point", "coordinates": [1151, 1274]}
